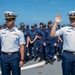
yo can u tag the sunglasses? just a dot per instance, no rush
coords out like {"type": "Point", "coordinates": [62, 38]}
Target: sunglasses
{"type": "Point", "coordinates": [9, 20]}
{"type": "Point", "coordinates": [72, 18]}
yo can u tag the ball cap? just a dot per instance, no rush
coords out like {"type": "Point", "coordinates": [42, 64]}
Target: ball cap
{"type": "Point", "coordinates": [9, 14]}
{"type": "Point", "coordinates": [50, 22]}
{"type": "Point", "coordinates": [27, 25]}
{"type": "Point", "coordinates": [22, 24]}
{"type": "Point", "coordinates": [32, 26]}
{"type": "Point", "coordinates": [71, 14]}
{"type": "Point", "coordinates": [41, 23]}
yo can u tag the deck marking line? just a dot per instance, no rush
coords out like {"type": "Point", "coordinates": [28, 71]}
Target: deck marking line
{"type": "Point", "coordinates": [32, 66]}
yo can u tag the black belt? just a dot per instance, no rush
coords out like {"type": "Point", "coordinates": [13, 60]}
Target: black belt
{"type": "Point", "coordinates": [9, 53]}
{"type": "Point", "coordinates": [69, 52]}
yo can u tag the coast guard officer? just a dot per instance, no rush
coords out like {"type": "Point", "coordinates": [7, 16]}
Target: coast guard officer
{"type": "Point", "coordinates": [68, 32]}
{"type": "Point", "coordinates": [12, 52]}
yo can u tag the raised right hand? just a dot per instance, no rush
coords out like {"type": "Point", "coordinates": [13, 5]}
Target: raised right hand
{"type": "Point", "coordinates": [58, 18]}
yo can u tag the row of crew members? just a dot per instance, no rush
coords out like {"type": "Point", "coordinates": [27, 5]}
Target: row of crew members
{"type": "Point", "coordinates": [39, 43]}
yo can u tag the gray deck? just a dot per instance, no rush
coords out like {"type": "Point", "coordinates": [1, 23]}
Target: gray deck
{"type": "Point", "coordinates": [35, 68]}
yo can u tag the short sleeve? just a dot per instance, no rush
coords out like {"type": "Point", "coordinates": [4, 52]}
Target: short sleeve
{"type": "Point", "coordinates": [59, 32]}
{"type": "Point", "coordinates": [22, 38]}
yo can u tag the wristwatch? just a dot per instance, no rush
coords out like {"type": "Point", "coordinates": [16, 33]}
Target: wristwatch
{"type": "Point", "coordinates": [22, 60]}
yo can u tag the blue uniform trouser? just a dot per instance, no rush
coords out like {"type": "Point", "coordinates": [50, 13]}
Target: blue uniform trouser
{"type": "Point", "coordinates": [10, 63]}
{"type": "Point", "coordinates": [50, 51]}
{"type": "Point", "coordinates": [32, 50]}
{"type": "Point", "coordinates": [60, 48]}
{"type": "Point", "coordinates": [42, 51]}
{"type": "Point", "coordinates": [68, 63]}
{"type": "Point", "coordinates": [26, 56]}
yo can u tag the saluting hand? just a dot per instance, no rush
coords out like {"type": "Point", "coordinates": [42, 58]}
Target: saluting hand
{"type": "Point", "coordinates": [58, 18]}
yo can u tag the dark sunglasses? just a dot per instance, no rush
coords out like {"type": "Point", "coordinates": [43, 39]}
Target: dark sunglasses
{"type": "Point", "coordinates": [9, 20]}
{"type": "Point", "coordinates": [72, 18]}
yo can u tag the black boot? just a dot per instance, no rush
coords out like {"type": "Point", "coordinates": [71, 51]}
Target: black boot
{"type": "Point", "coordinates": [40, 59]}
{"type": "Point", "coordinates": [52, 60]}
{"type": "Point", "coordinates": [35, 59]}
{"type": "Point", "coordinates": [46, 62]}
{"type": "Point", "coordinates": [59, 57]}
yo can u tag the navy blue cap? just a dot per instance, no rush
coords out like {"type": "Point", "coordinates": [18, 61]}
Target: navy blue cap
{"type": "Point", "coordinates": [32, 26]}
{"type": "Point", "coordinates": [35, 24]}
{"type": "Point", "coordinates": [50, 22]}
{"type": "Point", "coordinates": [27, 25]}
{"type": "Point", "coordinates": [22, 24]}
{"type": "Point", "coordinates": [41, 23]}
{"type": "Point", "coordinates": [44, 25]}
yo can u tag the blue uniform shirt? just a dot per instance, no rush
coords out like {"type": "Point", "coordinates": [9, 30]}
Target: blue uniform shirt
{"type": "Point", "coordinates": [11, 39]}
{"type": "Point", "coordinates": [42, 33]}
{"type": "Point", "coordinates": [26, 34]}
{"type": "Point", "coordinates": [32, 34]}
{"type": "Point", "coordinates": [49, 39]}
